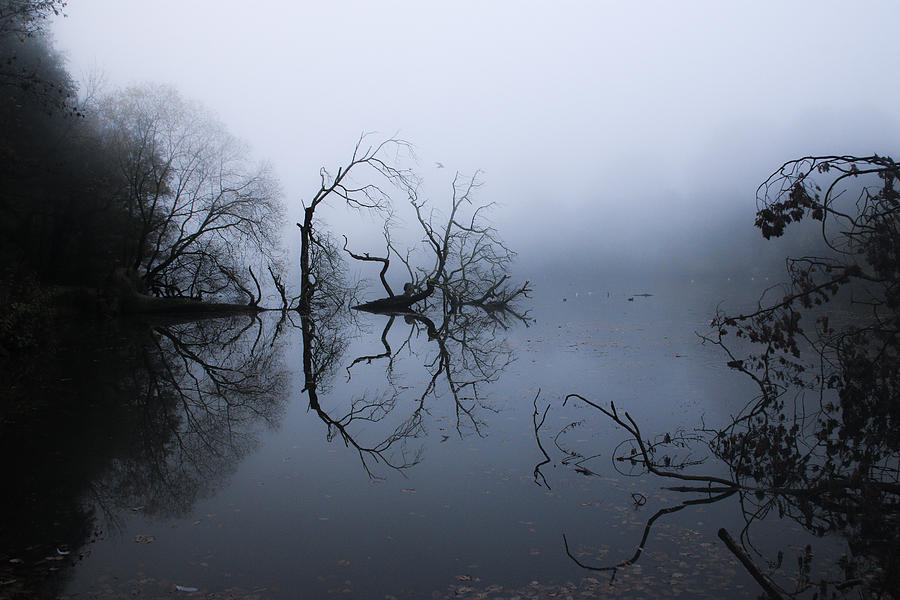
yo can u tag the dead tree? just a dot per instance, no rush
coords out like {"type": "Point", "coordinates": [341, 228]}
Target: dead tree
{"type": "Point", "coordinates": [367, 162]}
{"type": "Point", "coordinates": [469, 261]}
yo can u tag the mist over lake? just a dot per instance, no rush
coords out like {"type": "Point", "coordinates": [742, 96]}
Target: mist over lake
{"type": "Point", "coordinates": [412, 300]}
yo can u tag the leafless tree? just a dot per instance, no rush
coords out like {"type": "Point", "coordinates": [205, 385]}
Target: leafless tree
{"type": "Point", "coordinates": [363, 183]}
{"type": "Point", "coordinates": [200, 212]}
{"type": "Point", "coordinates": [469, 262]}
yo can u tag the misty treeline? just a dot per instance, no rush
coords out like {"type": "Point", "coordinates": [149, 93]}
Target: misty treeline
{"type": "Point", "coordinates": [139, 179]}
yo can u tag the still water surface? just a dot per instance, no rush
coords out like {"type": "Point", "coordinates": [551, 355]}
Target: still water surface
{"type": "Point", "coordinates": [193, 459]}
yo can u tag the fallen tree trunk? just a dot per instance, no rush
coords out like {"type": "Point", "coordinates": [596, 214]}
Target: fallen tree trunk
{"type": "Point", "coordinates": [403, 302]}
{"type": "Point", "coordinates": [123, 295]}
{"type": "Point", "coordinates": [143, 304]}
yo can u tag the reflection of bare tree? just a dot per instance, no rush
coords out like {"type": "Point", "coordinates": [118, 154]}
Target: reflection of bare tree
{"type": "Point", "coordinates": [462, 352]}
{"type": "Point", "coordinates": [128, 416]}
{"type": "Point", "coordinates": [324, 344]}
{"type": "Point", "coordinates": [863, 510]}
{"type": "Point", "coordinates": [202, 391]}
{"type": "Point", "coordinates": [467, 352]}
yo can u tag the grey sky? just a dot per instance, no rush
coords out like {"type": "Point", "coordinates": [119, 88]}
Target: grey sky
{"type": "Point", "coordinates": [587, 117]}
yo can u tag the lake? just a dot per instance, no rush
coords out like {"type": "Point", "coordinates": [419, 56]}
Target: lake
{"type": "Point", "coordinates": [399, 457]}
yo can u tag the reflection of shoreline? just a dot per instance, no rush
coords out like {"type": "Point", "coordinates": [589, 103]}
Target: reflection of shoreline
{"type": "Point", "coordinates": [126, 415]}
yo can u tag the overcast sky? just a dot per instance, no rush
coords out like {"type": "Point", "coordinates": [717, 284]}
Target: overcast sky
{"type": "Point", "coordinates": [589, 118]}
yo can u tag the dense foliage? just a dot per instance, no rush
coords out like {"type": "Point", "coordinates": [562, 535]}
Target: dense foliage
{"type": "Point", "coordinates": [835, 329]}
{"type": "Point", "coordinates": [820, 443]}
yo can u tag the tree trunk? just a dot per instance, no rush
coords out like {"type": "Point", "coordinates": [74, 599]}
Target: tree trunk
{"type": "Point", "coordinates": [396, 303]}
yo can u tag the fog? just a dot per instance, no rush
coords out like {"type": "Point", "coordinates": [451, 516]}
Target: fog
{"type": "Point", "coordinates": [620, 135]}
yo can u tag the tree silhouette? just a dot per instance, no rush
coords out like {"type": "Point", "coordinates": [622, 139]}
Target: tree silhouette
{"type": "Point", "coordinates": [199, 212]}
{"type": "Point", "coordinates": [469, 261]}
{"type": "Point", "coordinates": [362, 183]}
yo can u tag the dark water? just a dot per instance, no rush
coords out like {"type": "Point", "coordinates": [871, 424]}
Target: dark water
{"type": "Point", "coordinates": [185, 459]}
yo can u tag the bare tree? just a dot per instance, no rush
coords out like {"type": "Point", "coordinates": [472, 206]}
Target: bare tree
{"type": "Point", "coordinates": [362, 183]}
{"type": "Point", "coordinates": [200, 211]}
{"type": "Point", "coordinates": [469, 261]}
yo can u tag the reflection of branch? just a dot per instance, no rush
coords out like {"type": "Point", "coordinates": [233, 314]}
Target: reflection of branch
{"type": "Point", "coordinates": [767, 584]}
{"type": "Point", "coordinates": [640, 548]}
{"type": "Point", "coordinates": [377, 452]}
{"type": "Point", "coordinates": [720, 492]}
{"type": "Point", "coordinates": [385, 354]}
{"type": "Point", "coordinates": [444, 365]}
{"type": "Point", "coordinates": [317, 361]}
{"type": "Point", "coordinates": [200, 391]}
{"type": "Point", "coordinates": [537, 427]}
{"type": "Point", "coordinates": [632, 428]}
{"type": "Point", "coordinates": [822, 504]}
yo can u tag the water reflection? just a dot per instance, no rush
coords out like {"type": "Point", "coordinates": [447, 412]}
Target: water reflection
{"type": "Point", "coordinates": [201, 392]}
{"type": "Point", "coordinates": [464, 351]}
{"type": "Point", "coordinates": [135, 417]}
{"type": "Point", "coordinates": [788, 455]}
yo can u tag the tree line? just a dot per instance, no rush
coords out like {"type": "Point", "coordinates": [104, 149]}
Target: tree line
{"type": "Point", "coordinates": [138, 182]}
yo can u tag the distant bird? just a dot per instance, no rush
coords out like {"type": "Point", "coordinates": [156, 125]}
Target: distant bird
{"type": "Point", "coordinates": [439, 165]}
